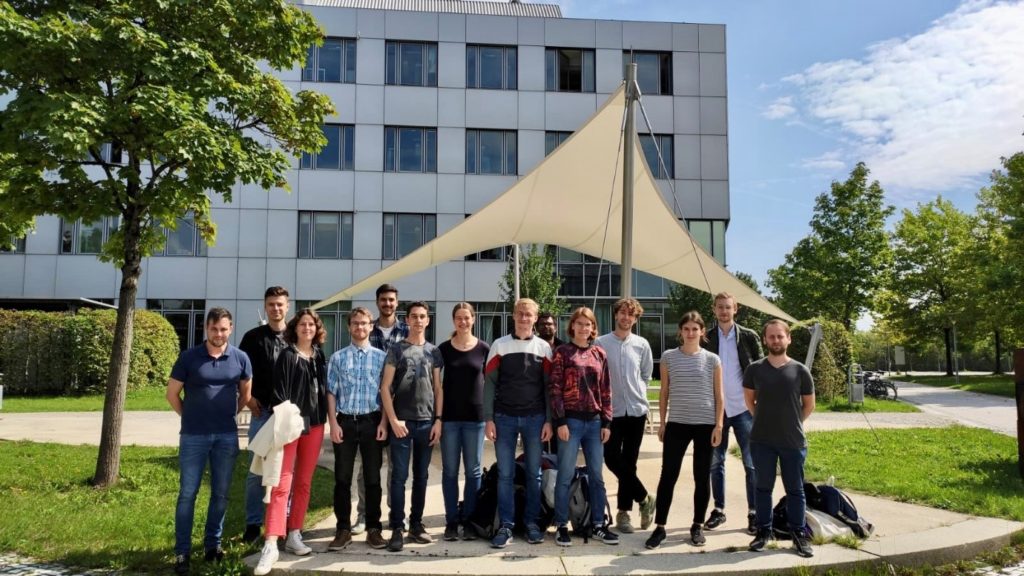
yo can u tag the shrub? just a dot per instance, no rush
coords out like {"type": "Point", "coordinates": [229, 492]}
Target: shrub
{"type": "Point", "coordinates": [64, 353]}
{"type": "Point", "coordinates": [831, 360]}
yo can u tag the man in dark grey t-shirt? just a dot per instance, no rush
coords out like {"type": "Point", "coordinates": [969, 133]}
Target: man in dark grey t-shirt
{"type": "Point", "coordinates": [410, 390]}
{"type": "Point", "coordinates": [779, 392]}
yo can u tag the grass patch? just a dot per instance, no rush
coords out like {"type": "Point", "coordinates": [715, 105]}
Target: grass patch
{"type": "Point", "coordinates": [51, 513]}
{"type": "Point", "coordinates": [962, 469]}
{"type": "Point", "coordinates": [144, 399]}
{"type": "Point", "coordinates": [869, 405]}
{"type": "Point", "coordinates": [1001, 385]}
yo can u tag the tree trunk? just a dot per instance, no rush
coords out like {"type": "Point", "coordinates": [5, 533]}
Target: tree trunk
{"type": "Point", "coordinates": [999, 353]}
{"type": "Point", "coordinates": [949, 350]}
{"type": "Point", "coordinates": [108, 462]}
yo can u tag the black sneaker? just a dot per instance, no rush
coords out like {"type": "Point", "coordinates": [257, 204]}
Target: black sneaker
{"type": "Point", "coordinates": [751, 523]}
{"type": "Point", "coordinates": [451, 532]}
{"type": "Point", "coordinates": [697, 535]}
{"type": "Point", "coordinates": [802, 545]}
{"type": "Point", "coordinates": [181, 564]}
{"type": "Point", "coordinates": [252, 533]}
{"type": "Point", "coordinates": [716, 519]}
{"type": "Point", "coordinates": [764, 535]}
{"type": "Point", "coordinates": [657, 537]}
{"type": "Point", "coordinates": [397, 540]}
{"type": "Point", "coordinates": [562, 537]}
{"type": "Point", "coordinates": [214, 554]}
{"type": "Point", "coordinates": [605, 534]}
{"type": "Point", "coordinates": [468, 532]}
{"type": "Point", "coordinates": [419, 535]}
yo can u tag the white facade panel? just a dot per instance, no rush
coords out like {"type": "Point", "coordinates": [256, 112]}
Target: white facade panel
{"type": "Point", "coordinates": [647, 36]}
{"type": "Point", "coordinates": [451, 151]}
{"type": "Point", "coordinates": [450, 284]}
{"type": "Point", "coordinates": [685, 37]}
{"type": "Point", "coordinates": [45, 239]}
{"type": "Point", "coordinates": [370, 24]}
{"type": "Point", "coordinates": [226, 243]}
{"type": "Point", "coordinates": [326, 190]}
{"type": "Point", "coordinates": [401, 25]}
{"type": "Point", "coordinates": [608, 34]}
{"type": "Point", "coordinates": [336, 21]}
{"type": "Point", "coordinates": [531, 68]}
{"type": "Point", "coordinates": [481, 190]}
{"type": "Point", "coordinates": [281, 199]}
{"type": "Point", "coordinates": [451, 65]}
{"type": "Point", "coordinates": [687, 156]}
{"type": "Point", "coordinates": [531, 150]}
{"type": "Point", "coordinates": [715, 197]}
{"type": "Point", "coordinates": [481, 280]}
{"type": "Point", "coordinates": [607, 70]}
{"type": "Point", "coordinates": [419, 286]}
{"type": "Point", "coordinates": [252, 278]}
{"type": "Point", "coordinates": [568, 111]}
{"type": "Point", "coordinates": [370, 59]}
{"type": "Point", "coordinates": [451, 107]}
{"type": "Point", "coordinates": [252, 196]}
{"type": "Point", "coordinates": [714, 158]}
{"type": "Point", "coordinates": [369, 105]}
{"type": "Point", "coordinates": [12, 274]}
{"type": "Point", "coordinates": [342, 95]}
{"type": "Point", "coordinates": [686, 114]}
{"type": "Point", "coordinates": [686, 74]}
{"type": "Point", "coordinates": [713, 116]}
{"type": "Point", "coordinates": [321, 278]}
{"type": "Point", "coordinates": [451, 27]}
{"type": "Point", "coordinates": [410, 106]}
{"type": "Point", "coordinates": [491, 29]}
{"type": "Point", "coordinates": [361, 269]}
{"type": "Point", "coordinates": [451, 193]}
{"type": "Point", "coordinates": [570, 33]}
{"type": "Point", "coordinates": [712, 74]}
{"type": "Point", "coordinates": [253, 232]}
{"type": "Point", "coordinates": [281, 272]}
{"type": "Point", "coordinates": [496, 109]}
{"type": "Point", "coordinates": [446, 222]}
{"type": "Point", "coordinates": [369, 147]}
{"type": "Point", "coordinates": [369, 191]}
{"type": "Point", "coordinates": [410, 192]}
{"type": "Point", "coordinates": [531, 110]}
{"type": "Point", "coordinates": [531, 32]}
{"type": "Point", "coordinates": [282, 234]}
{"type": "Point", "coordinates": [711, 37]}
{"type": "Point", "coordinates": [222, 278]}
{"type": "Point", "coordinates": [176, 277]}
{"type": "Point", "coordinates": [687, 198]}
{"type": "Point", "coordinates": [368, 230]}
{"type": "Point", "coordinates": [659, 112]}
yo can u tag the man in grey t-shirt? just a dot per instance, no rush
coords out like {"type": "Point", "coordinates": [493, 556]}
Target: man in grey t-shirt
{"type": "Point", "coordinates": [410, 389]}
{"type": "Point", "coordinates": [779, 392]}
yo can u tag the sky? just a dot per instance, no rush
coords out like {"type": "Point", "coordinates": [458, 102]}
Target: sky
{"type": "Point", "coordinates": [928, 93]}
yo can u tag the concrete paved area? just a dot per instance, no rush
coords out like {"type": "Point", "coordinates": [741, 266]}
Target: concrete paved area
{"type": "Point", "coordinates": [906, 534]}
{"type": "Point", "coordinates": [970, 408]}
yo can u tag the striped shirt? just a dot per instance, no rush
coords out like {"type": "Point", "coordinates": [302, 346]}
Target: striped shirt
{"type": "Point", "coordinates": [353, 376]}
{"type": "Point", "coordinates": [691, 392]}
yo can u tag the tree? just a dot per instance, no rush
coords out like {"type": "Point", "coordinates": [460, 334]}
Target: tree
{"type": "Point", "coordinates": [683, 298]}
{"type": "Point", "coordinates": [933, 285]}
{"type": "Point", "coordinates": [538, 280]}
{"type": "Point", "coordinates": [836, 270]}
{"type": "Point", "coordinates": [142, 111]}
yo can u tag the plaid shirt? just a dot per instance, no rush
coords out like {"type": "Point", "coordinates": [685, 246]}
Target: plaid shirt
{"type": "Point", "coordinates": [353, 376]}
{"type": "Point", "coordinates": [398, 333]}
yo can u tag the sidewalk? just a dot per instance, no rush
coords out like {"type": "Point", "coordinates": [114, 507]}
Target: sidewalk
{"type": "Point", "coordinates": [969, 408]}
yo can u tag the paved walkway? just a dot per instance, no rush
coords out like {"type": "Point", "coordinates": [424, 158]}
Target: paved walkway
{"type": "Point", "coordinates": [970, 408]}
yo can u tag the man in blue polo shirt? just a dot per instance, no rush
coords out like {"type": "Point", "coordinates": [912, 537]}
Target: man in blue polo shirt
{"type": "Point", "coordinates": [215, 377]}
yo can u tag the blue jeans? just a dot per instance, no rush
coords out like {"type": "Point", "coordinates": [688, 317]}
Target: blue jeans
{"type": "Point", "coordinates": [585, 433]}
{"type": "Point", "coordinates": [508, 430]}
{"type": "Point", "coordinates": [417, 445]}
{"type": "Point", "coordinates": [465, 439]}
{"type": "Point", "coordinates": [740, 424]}
{"type": "Point", "coordinates": [254, 506]}
{"type": "Point", "coordinates": [791, 464]}
{"type": "Point", "coordinates": [194, 450]}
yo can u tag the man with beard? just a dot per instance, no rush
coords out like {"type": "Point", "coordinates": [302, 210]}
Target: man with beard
{"type": "Point", "coordinates": [779, 392]}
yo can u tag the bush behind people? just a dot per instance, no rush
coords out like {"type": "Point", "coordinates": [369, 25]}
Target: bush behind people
{"type": "Point", "coordinates": [831, 360]}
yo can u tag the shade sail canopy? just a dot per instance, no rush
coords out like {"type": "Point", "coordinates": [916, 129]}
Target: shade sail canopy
{"type": "Point", "coordinates": [565, 201]}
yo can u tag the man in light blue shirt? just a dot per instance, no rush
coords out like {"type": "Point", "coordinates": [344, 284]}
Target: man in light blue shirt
{"type": "Point", "coordinates": [630, 364]}
{"type": "Point", "coordinates": [354, 416]}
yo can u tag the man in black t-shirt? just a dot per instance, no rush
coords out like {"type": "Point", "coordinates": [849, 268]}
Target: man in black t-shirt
{"type": "Point", "coordinates": [779, 392]}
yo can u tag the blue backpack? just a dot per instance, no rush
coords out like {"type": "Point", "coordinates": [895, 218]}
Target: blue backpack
{"type": "Point", "coordinates": [837, 504]}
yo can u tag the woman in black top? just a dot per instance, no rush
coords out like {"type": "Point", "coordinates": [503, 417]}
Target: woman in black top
{"type": "Point", "coordinates": [462, 432]}
{"type": "Point", "coordinates": [300, 376]}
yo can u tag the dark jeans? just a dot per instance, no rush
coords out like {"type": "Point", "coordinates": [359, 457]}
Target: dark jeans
{"type": "Point", "coordinates": [358, 436]}
{"type": "Point", "coordinates": [509, 429]}
{"type": "Point", "coordinates": [621, 453]}
{"type": "Point", "coordinates": [254, 490]}
{"type": "Point", "coordinates": [415, 445]}
{"type": "Point", "coordinates": [466, 440]}
{"type": "Point", "coordinates": [791, 463]}
{"type": "Point", "coordinates": [741, 425]}
{"type": "Point", "coordinates": [194, 451]}
{"type": "Point", "coordinates": [677, 440]}
{"type": "Point", "coordinates": [585, 434]}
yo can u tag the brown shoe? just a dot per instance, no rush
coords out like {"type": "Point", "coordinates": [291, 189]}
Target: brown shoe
{"type": "Point", "coordinates": [342, 538]}
{"type": "Point", "coordinates": [419, 535]}
{"type": "Point", "coordinates": [374, 539]}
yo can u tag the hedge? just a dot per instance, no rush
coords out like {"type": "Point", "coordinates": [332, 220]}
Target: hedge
{"type": "Point", "coordinates": [831, 360]}
{"type": "Point", "coordinates": [64, 353]}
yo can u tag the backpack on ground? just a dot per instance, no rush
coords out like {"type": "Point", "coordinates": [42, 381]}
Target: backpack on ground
{"type": "Point", "coordinates": [838, 504]}
{"type": "Point", "coordinates": [484, 519]}
{"type": "Point", "coordinates": [580, 516]}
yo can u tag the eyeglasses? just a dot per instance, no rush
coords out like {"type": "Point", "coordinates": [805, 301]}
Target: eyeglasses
{"type": "Point", "coordinates": [360, 324]}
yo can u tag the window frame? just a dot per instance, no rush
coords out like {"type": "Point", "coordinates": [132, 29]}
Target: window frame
{"type": "Point", "coordinates": [198, 243]}
{"type": "Point", "coordinates": [109, 225]}
{"type": "Point", "coordinates": [667, 155]}
{"type": "Point", "coordinates": [509, 153]}
{"type": "Point", "coordinates": [391, 248]}
{"type": "Point", "coordinates": [393, 149]}
{"type": "Point", "coordinates": [394, 71]}
{"type": "Point", "coordinates": [347, 62]}
{"type": "Point", "coordinates": [554, 72]}
{"type": "Point", "coordinates": [558, 137]}
{"type": "Point", "coordinates": [345, 232]}
{"type": "Point", "coordinates": [475, 67]}
{"type": "Point", "coordinates": [346, 149]}
{"type": "Point", "coordinates": [664, 69]}
{"type": "Point", "coordinates": [716, 236]}
{"type": "Point", "coordinates": [18, 248]}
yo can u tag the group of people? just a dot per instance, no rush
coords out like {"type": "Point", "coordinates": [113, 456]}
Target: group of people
{"type": "Point", "coordinates": [391, 392]}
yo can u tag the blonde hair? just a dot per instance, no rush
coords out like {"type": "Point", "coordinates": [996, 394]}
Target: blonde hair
{"type": "Point", "coordinates": [527, 304]}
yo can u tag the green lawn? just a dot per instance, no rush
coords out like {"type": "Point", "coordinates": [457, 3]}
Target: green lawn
{"type": "Point", "coordinates": [962, 469]}
{"type": "Point", "coordinates": [52, 513]}
{"type": "Point", "coordinates": [144, 399]}
{"type": "Point", "coordinates": [985, 384]}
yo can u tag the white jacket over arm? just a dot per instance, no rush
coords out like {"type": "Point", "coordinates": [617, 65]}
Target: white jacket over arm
{"type": "Point", "coordinates": [283, 427]}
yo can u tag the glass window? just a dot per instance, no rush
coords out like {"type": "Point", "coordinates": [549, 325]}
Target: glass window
{"type": "Point", "coordinates": [651, 155]}
{"type": "Point", "coordinates": [17, 247]}
{"type": "Point", "coordinates": [491, 152]}
{"type": "Point", "coordinates": [79, 237]}
{"type": "Point", "coordinates": [325, 235]}
{"type": "Point", "coordinates": [334, 61]}
{"type": "Point", "coordinates": [410, 63]}
{"type": "Point", "coordinates": [710, 234]}
{"type": "Point", "coordinates": [337, 154]}
{"type": "Point", "coordinates": [404, 233]}
{"type": "Point", "coordinates": [653, 71]}
{"type": "Point", "coordinates": [187, 317]}
{"type": "Point", "coordinates": [553, 140]}
{"type": "Point", "coordinates": [569, 70]}
{"type": "Point", "coordinates": [410, 149]}
{"type": "Point", "coordinates": [491, 67]}
{"type": "Point", "coordinates": [184, 240]}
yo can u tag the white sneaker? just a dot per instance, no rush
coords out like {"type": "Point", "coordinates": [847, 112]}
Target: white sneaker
{"type": "Point", "coordinates": [267, 558]}
{"type": "Point", "coordinates": [295, 545]}
{"type": "Point", "coordinates": [360, 526]}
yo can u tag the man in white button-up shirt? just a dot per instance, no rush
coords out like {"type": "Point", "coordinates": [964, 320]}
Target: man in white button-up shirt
{"type": "Point", "coordinates": [630, 364]}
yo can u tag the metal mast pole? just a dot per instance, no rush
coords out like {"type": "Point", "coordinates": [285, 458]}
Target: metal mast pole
{"type": "Point", "coordinates": [627, 183]}
{"type": "Point", "coordinates": [515, 251]}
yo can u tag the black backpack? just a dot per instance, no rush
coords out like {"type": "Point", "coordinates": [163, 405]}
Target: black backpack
{"type": "Point", "coordinates": [484, 519]}
{"type": "Point", "coordinates": [580, 516]}
{"type": "Point", "coordinates": [838, 504]}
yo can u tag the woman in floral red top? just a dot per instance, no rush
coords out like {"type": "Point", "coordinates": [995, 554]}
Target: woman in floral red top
{"type": "Point", "coordinates": [581, 412]}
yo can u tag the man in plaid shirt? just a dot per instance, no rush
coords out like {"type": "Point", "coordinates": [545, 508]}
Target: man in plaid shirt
{"type": "Point", "coordinates": [353, 379]}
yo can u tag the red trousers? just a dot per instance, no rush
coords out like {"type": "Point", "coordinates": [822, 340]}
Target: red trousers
{"type": "Point", "coordinates": [297, 468]}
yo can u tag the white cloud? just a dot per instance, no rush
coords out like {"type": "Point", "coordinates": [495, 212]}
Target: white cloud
{"type": "Point", "coordinates": [827, 162]}
{"type": "Point", "coordinates": [781, 107]}
{"type": "Point", "coordinates": [931, 111]}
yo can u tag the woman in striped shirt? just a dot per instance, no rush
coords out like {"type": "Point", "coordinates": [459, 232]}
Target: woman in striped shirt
{"type": "Point", "coordinates": [692, 408]}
